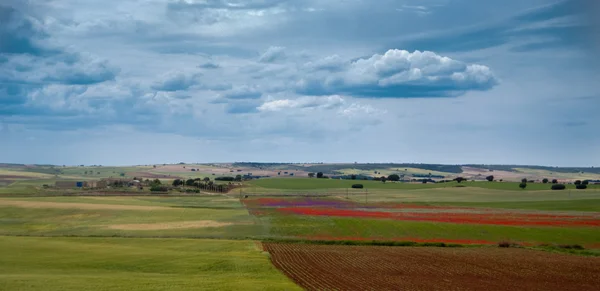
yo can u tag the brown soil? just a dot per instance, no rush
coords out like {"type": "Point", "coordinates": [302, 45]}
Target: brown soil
{"type": "Point", "coordinates": [87, 206]}
{"type": "Point", "coordinates": [321, 267]}
{"type": "Point", "coordinates": [170, 225]}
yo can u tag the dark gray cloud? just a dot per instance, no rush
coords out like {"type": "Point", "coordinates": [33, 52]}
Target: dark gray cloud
{"type": "Point", "coordinates": [557, 25]}
{"type": "Point", "coordinates": [176, 81]}
{"type": "Point", "coordinates": [209, 65]}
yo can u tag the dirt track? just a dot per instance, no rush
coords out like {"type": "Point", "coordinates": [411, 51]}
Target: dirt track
{"type": "Point", "coordinates": [321, 267]}
{"type": "Point", "coordinates": [89, 206]}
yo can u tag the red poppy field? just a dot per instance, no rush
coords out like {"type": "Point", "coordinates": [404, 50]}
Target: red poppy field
{"type": "Point", "coordinates": [333, 219]}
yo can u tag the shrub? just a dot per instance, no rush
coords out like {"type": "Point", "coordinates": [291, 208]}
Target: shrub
{"type": "Point", "coordinates": [230, 179]}
{"type": "Point", "coordinates": [581, 186]}
{"type": "Point", "coordinates": [320, 175]}
{"type": "Point", "coordinates": [554, 181]}
{"type": "Point", "coordinates": [571, 247]}
{"type": "Point", "coordinates": [490, 178]}
{"type": "Point", "coordinates": [585, 182]}
{"type": "Point", "coordinates": [459, 179]}
{"type": "Point", "coordinates": [577, 182]}
{"type": "Point", "coordinates": [159, 188]}
{"type": "Point", "coordinates": [460, 186]}
{"type": "Point", "coordinates": [559, 187]}
{"type": "Point", "coordinates": [524, 180]}
{"type": "Point", "coordinates": [523, 185]}
{"type": "Point", "coordinates": [545, 180]}
{"type": "Point", "coordinates": [508, 244]}
{"type": "Point", "coordinates": [357, 186]}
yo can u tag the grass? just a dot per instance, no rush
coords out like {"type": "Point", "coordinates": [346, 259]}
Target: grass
{"type": "Point", "coordinates": [315, 184]}
{"type": "Point", "coordinates": [592, 205]}
{"type": "Point", "coordinates": [295, 226]}
{"type": "Point", "coordinates": [28, 263]}
{"type": "Point", "coordinates": [78, 221]}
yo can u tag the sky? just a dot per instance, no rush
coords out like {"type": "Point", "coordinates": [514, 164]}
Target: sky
{"type": "Point", "coordinates": [124, 82]}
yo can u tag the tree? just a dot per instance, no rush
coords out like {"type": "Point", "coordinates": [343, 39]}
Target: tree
{"type": "Point", "coordinates": [577, 182]}
{"type": "Point", "coordinates": [490, 178]}
{"type": "Point", "coordinates": [311, 175]}
{"type": "Point", "coordinates": [394, 177]}
{"type": "Point", "coordinates": [581, 186]}
{"type": "Point", "coordinates": [558, 187]}
{"type": "Point", "coordinates": [545, 180]}
{"type": "Point", "coordinates": [320, 175]}
{"type": "Point", "coordinates": [238, 178]}
{"type": "Point", "coordinates": [524, 180]}
{"type": "Point", "coordinates": [189, 182]}
{"type": "Point", "coordinates": [523, 185]}
{"type": "Point", "coordinates": [352, 177]}
{"type": "Point", "coordinates": [585, 182]}
{"type": "Point", "coordinates": [554, 181]}
{"type": "Point", "coordinates": [156, 182]}
{"type": "Point", "coordinates": [177, 182]}
{"type": "Point", "coordinates": [459, 179]}
{"type": "Point", "coordinates": [383, 179]}
{"type": "Point", "coordinates": [206, 179]}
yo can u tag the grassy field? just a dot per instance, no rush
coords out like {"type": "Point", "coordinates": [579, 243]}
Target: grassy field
{"type": "Point", "coordinates": [33, 263]}
{"type": "Point", "coordinates": [591, 205]}
{"type": "Point", "coordinates": [208, 217]}
{"type": "Point", "coordinates": [322, 227]}
{"type": "Point", "coordinates": [313, 184]}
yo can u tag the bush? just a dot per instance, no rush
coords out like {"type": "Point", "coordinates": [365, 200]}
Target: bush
{"type": "Point", "coordinates": [545, 180]}
{"type": "Point", "coordinates": [357, 186]}
{"type": "Point", "coordinates": [230, 179]}
{"type": "Point", "coordinates": [571, 247]}
{"type": "Point", "coordinates": [585, 182]}
{"type": "Point", "coordinates": [508, 244]}
{"type": "Point", "coordinates": [577, 182]}
{"type": "Point", "coordinates": [490, 178]}
{"type": "Point", "coordinates": [523, 185]}
{"type": "Point", "coordinates": [524, 180]}
{"type": "Point", "coordinates": [554, 181]}
{"type": "Point", "coordinates": [581, 186]}
{"type": "Point", "coordinates": [159, 188]}
{"type": "Point", "coordinates": [559, 187]}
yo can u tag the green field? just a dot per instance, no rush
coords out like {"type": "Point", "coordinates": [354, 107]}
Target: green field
{"type": "Point", "coordinates": [312, 184]}
{"type": "Point", "coordinates": [53, 242]}
{"type": "Point", "coordinates": [126, 217]}
{"type": "Point", "coordinates": [591, 205]}
{"type": "Point", "coordinates": [296, 226]}
{"type": "Point", "coordinates": [33, 263]}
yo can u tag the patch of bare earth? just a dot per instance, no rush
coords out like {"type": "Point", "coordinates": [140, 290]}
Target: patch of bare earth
{"type": "Point", "coordinates": [170, 225]}
{"type": "Point", "coordinates": [86, 206]}
{"type": "Point", "coordinates": [330, 267]}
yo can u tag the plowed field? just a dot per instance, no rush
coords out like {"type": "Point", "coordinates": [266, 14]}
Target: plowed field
{"type": "Point", "coordinates": [323, 267]}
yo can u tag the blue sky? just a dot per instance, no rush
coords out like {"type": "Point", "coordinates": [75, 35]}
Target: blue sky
{"type": "Point", "coordinates": [435, 81]}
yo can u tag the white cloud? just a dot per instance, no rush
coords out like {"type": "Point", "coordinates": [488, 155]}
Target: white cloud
{"type": "Point", "coordinates": [273, 54]}
{"type": "Point", "coordinates": [399, 73]}
{"type": "Point", "coordinates": [326, 102]}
